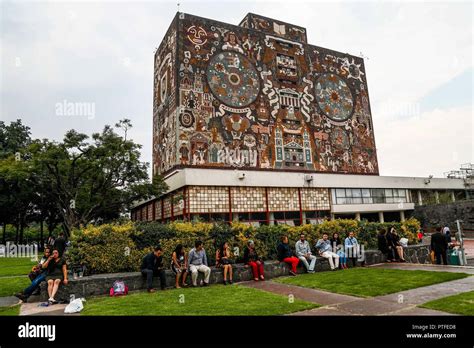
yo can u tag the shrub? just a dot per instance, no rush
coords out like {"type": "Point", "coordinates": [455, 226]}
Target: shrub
{"type": "Point", "coordinates": [103, 249]}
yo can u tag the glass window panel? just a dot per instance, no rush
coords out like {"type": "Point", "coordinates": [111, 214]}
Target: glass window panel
{"type": "Point", "coordinates": [368, 200]}
{"type": "Point", "coordinates": [340, 193]}
{"type": "Point", "coordinates": [377, 192]}
{"type": "Point", "coordinates": [365, 193]}
{"type": "Point", "coordinates": [388, 193]}
{"type": "Point", "coordinates": [356, 200]}
{"type": "Point", "coordinates": [341, 200]}
{"type": "Point", "coordinates": [390, 199]}
{"type": "Point", "coordinates": [356, 193]}
{"type": "Point", "coordinates": [401, 193]}
{"type": "Point", "coordinates": [348, 192]}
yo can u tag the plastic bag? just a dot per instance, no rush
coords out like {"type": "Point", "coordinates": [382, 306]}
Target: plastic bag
{"type": "Point", "coordinates": [403, 242]}
{"type": "Point", "coordinates": [75, 306]}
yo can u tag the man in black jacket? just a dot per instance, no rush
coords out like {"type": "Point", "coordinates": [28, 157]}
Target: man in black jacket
{"type": "Point", "coordinates": [152, 265]}
{"type": "Point", "coordinates": [439, 245]}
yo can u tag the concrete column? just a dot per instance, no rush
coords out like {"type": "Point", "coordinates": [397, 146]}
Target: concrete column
{"type": "Point", "coordinates": [333, 217]}
{"type": "Point", "coordinates": [272, 219]}
{"type": "Point", "coordinates": [303, 217]}
{"type": "Point", "coordinates": [235, 217]}
{"type": "Point", "coordinates": [357, 216]}
{"type": "Point", "coordinates": [436, 197]}
{"type": "Point", "coordinates": [381, 216]}
{"type": "Point", "coordinates": [420, 198]}
{"type": "Point", "coordinates": [402, 215]}
{"type": "Point", "coordinates": [453, 196]}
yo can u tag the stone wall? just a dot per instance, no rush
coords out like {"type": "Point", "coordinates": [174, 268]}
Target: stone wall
{"type": "Point", "coordinates": [100, 284]}
{"type": "Point", "coordinates": [432, 216]}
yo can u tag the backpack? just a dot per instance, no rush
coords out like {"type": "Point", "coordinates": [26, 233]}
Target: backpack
{"type": "Point", "coordinates": [119, 288]}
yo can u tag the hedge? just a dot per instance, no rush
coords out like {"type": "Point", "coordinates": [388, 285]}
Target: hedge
{"type": "Point", "coordinates": [113, 248]}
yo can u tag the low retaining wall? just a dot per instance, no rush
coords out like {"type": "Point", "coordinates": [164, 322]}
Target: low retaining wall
{"type": "Point", "coordinates": [100, 284]}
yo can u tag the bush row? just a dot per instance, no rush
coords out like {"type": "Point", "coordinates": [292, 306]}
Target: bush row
{"type": "Point", "coordinates": [113, 248]}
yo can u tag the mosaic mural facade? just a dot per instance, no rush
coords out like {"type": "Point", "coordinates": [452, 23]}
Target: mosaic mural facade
{"type": "Point", "coordinates": [258, 96]}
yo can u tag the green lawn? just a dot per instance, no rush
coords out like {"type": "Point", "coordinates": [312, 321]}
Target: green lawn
{"type": "Point", "coordinates": [13, 274]}
{"type": "Point", "coordinates": [211, 301]}
{"type": "Point", "coordinates": [10, 311]}
{"type": "Point", "coordinates": [458, 304]}
{"type": "Point", "coordinates": [11, 266]}
{"type": "Point", "coordinates": [366, 282]}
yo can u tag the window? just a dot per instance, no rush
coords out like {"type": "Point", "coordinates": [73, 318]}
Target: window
{"type": "Point", "coordinates": [369, 196]}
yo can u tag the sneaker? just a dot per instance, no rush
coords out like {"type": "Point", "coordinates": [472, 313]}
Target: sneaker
{"type": "Point", "coordinates": [205, 284]}
{"type": "Point", "coordinates": [292, 273]}
{"type": "Point", "coordinates": [225, 282]}
{"type": "Point", "coordinates": [310, 272]}
{"type": "Point", "coordinates": [151, 290]}
{"type": "Point", "coordinates": [231, 281]}
{"type": "Point", "coordinates": [256, 279]}
{"type": "Point", "coordinates": [52, 301]}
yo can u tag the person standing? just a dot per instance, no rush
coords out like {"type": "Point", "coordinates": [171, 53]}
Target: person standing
{"type": "Point", "coordinates": [303, 252]}
{"type": "Point", "coordinates": [325, 250]}
{"type": "Point", "coordinates": [285, 254]}
{"type": "Point", "coordinates": [439, 245]}
{"type": "Point", "coordinates": [152, 265]}
{"type": "Point", "coordinates": [60, 244]}
{"type": "Point", "coordinates": [197, 262]}
{"type": "Point", "coordinates": [251, 259]}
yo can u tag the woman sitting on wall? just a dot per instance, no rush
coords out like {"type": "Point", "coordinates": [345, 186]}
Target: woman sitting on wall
{"type": "Point", "coordinates": [395, 240]}
{"type": "Point", "coordinates": [338, 247]}
{"type": "Point", "coordinates": [286, 255]}
{"type": "Point", "coordinates": [223, 259]}
{"type": "Point", "coordinates": [179, 261]}
{"type": "Point", "coordinates": [57, 273]}
{"type": "Point", "coordinates": [251, 259]}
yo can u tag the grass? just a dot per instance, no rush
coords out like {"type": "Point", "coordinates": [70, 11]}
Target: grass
{"type": "Point", "coordinates": [13, 274]}
{"type": "Point", "coordinates": [13, 266]}
{"type": "Point", "coordinates": [211, 301]}
{"type": "Point", "coordinates": [367, 282]}
{"type": "Point", "coordinates": [10, 311]}
{"type": "Point", "coordinates": [462, 304]}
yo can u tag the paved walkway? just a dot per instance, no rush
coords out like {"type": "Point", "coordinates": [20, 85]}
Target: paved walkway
{"type": "Point", "coordinates": [400, 303]}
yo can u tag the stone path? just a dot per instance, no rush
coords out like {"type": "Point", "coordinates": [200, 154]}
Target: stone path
{"type": "Point", "coordinates": [36, 309]}
{"type": "Point", "coordinates": [427, 267]}
{"type": "Point", "coordinates": [8, 301]}
{"type": "Point", "coordinates": [400, 303]}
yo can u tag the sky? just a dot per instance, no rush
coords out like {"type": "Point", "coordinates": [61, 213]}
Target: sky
{"type": "Point", "coordinates": [99, 56]}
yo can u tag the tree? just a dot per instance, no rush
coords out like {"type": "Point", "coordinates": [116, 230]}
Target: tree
{"type": "Point", "coordinates": [93, 179]}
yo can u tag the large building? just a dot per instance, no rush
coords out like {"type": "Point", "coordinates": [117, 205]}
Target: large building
{"type": "Point", "coordinates": [253, 123]}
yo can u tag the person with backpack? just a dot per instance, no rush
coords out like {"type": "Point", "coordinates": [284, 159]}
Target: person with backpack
{"type": "Point", "coordinates": [223, 260]}
{"type": "Point", "coordinates": [152, 265]}
{"type": "Point", "coordinates": [178, 265]}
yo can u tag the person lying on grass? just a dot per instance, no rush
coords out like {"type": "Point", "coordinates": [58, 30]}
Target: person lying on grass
{"type": "Point", "coordinates": [57, 273]}
{"type": "Point", "coordinates": [37, 275]}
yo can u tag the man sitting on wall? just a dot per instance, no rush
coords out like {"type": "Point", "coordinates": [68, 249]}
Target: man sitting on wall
{"type": "Point", "coordinates": [197, 262]}
{"type": "Point", "coordinates": [152, 265]}
{"type": "Point", "coordinates": [37, 275]}
{"type": "Point", "coordinates": [325, 250]}
{"type": "Point", "coordinates": [303, 252]}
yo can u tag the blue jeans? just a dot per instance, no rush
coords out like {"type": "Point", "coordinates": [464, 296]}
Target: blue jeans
{"type": "Point", "coordinates": [342, 257]}
{"type": "Point", "coordinates": [35, 284]}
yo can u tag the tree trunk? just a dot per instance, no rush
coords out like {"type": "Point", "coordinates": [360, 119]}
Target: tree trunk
{"type": "Point", "coordinates": [4, 234]}
{"type": "Point", "coordinates": [41, 241]}
{"type": "Point", "coordinates": [22, 227]}
{"type": "Point", "coordinates": [17, 225]}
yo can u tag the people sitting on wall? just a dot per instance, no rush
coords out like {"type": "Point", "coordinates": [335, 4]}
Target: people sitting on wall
{"type": "Point", "coordinates": [383, 245]}
{"type": "Point", "coordinates": [325, 250]}
{"type": "Point", "coordinates": [251, 259]}
{"type": "Point", "coordinates": [395, 244]}
{"type": "Point", "coordinates": [152, 266]}
{"type": "Point", "coordinates": [197, 262]}
{"type": "Point", "coordinates": [284, 254]}
{"type": "Point", "coordinates": [439, 245]}
{"type": "Point", "coordinates": [179, 265]}
{"type": "Point", "coordinates": [56, 269]}
{"type": "Point", "coordinates": [352, 249]}
{"type": "Point", "coordinates": [223, 260]}
{"type": "Point", "coordinates": [303, 252]}
{"type": "Point", "coordinates": [37, 275]}
{"type": "Point", "coordinates": [339, 249]}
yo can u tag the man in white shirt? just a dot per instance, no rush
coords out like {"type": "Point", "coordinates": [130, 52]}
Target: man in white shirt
{"type": "Point", "coordinates": [303, 252]}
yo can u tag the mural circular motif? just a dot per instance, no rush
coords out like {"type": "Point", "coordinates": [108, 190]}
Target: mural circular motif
{"type": "Point", "coordinates": [334, 97]}
{"type": "Point", "coordinates": [233, 79]}
{"type": "Point", "coordinates": [186, 119]}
